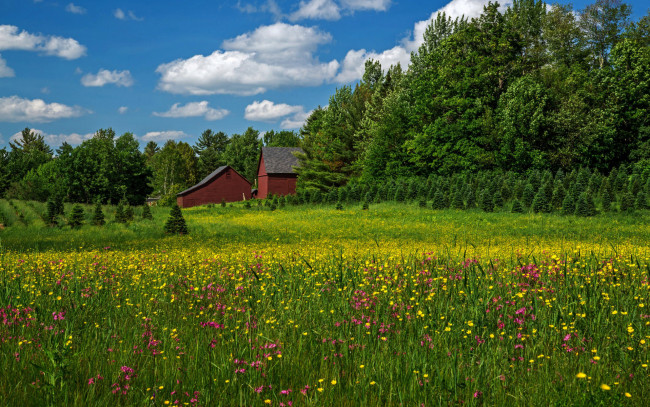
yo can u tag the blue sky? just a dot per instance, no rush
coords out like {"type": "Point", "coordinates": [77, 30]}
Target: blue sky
{"type": "Point", "coordinates": [171, 69]}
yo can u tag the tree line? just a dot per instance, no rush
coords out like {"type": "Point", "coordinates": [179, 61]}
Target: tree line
{"type": "Point", "coordinates": [529, 88]}
{"type": "Point", "coordinates": [111, 169]}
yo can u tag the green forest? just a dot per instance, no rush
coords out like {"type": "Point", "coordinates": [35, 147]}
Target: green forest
{"type": "Point", "coordinates": [523, 92]}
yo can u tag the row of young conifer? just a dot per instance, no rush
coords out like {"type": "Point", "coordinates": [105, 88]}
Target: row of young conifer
{"type": "Point", "coordinates": [124, 213]}
{"type": "Point", "coordinates": [580, 192]}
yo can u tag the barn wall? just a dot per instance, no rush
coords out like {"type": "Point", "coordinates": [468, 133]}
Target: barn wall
{"type": "Point", "coordinates": [228, 186]}
{"type": "Point", "coordinates": [282, 184]}
{"type": "Point", "coordinates": [262, 186]}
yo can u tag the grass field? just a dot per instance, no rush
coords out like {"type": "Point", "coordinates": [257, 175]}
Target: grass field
{"type": "Point", "coordinates": [397, 305]}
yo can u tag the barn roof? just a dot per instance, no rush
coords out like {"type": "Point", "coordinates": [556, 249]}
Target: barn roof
{"type": "Point", "coordinates": [214, 174]}
{"type": "Point", "coordinates": [280, 160]}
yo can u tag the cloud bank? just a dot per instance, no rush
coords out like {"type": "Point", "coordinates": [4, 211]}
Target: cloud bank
{"type": "Point", "coordinates": [16, 109]}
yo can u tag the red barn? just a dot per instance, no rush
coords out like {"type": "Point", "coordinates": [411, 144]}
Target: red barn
{"type": "Point", "coordinates": [275, 173]}
{"type": "Point", "coordinates": [223, 184]}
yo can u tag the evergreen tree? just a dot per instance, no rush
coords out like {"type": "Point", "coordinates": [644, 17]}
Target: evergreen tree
{"type": "Point", "coordinates": [339, 206]}
{"type": "Point", "coordinates": [120, 216]}
{"type": "Point", "coordinates": [438, 201]}
{"type": "Point", "coordinates": [366, 205]}
{"type": "Point", "coordinates": [606, 197]}
{"type": "Point", "coordinates": [400, 193]}
{"type": "Point", "coordinates": [641, 201]}
{"type": "Point", "coordinates": [528, 195]}
{"type": "Point", "coordinates": [98, 215]}
{"type": "Point", "coordinates": [422, 203]}
{"type": "Point", "coordinates": [497, 199]}
{"type": "Point", "coordinates": [176, 222]}
{"type": "Point", "coordinates": [568, 205]}
{"type": "Point", "coordinates": [146, 213]}
{"type": "Point", "coordinates": [558, 196]}
{"type": "Point", "coordinates": [517, 206]}
{"type": "Point", "coordinates": [52, 213]}
{"type": "Point", "coordinates": [540, 203]}
{"type": "Point", "coordinates": [627, 202]}
{"type": "Point", "coordinates": [76, 217]}
{"type": "Point", "coordinates": [485, 201]}
{"type": "Point", "coordinates": [470, 198]}
{"type": "Point", "coordinates": [585, 205]}
{"type": "Point", "coordinates": [129, 213]}
{"type": "Point", "coordinates": [457, 200]}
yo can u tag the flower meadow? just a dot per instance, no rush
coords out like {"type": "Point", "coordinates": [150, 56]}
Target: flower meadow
{"type": "Point", "coordinates": [313, 306]}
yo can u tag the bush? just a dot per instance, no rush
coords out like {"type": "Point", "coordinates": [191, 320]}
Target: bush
{"type": "Point", "coordinates": [366, 205]}
{"type": "Point", "coordinates": [176, 222]}
{"type": "Point", "coordinates": [339, 206]}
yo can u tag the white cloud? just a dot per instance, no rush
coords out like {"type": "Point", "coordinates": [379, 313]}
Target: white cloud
{"type": "Point", "coordinates": [296, 121]}
{"type": "Point", "coordinates": [269, 7]}
{"type": "Point", "coordinates": [316, 10]}
{"type": "Point", "coordinates": [129, 15]}
{"type": "Point", "coordinates": [379, 5]}
{"type": "Point", "coordinates": [103, 77]}
{"type": "Point", "coordinates": [270, 57]}
{"type": "Point", "coordinates": [11, 39]}
{"type": "Point", "coordinates": [45, 90]}
{"type": "Point", "coordinates": [455, 8]}
{"type": "Point", "coordinates": [163, 135]}
{"type": "Point", "coordinates": [57, 139]}
{"type": "Point", "coordinates": [5, 71]}
{"type": "Point", "coordinates": [122, 109]}
{"type": "Point", "coordinates": [267, 111]}
{"type": "Point", "coordinates": [71, 8]}
{"type": "Point", "coordinates": [16, 109]}
{"type": "Point", "coordinates": [354, 63]}
{"type": "Point", "coordinates": [194, 109]}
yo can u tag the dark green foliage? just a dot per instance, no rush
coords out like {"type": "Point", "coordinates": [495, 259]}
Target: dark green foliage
{"type": "Point", "coordinates": [517, 207]}
{"type": "Point", "coordinates": [223, 202]}
{"type": "Point", "coordinates": [76, 218]}
{"type": "Point", "coordinates": [497, 199]}
{"type": "Point", "coordinates": [247, 204]}
{"type": "Point", "coordinates": [129, 214]}
{"type": "Point", "coordinates": [540, 202]}
{"type": "Point", "coordinates": [627, 202]}
{"type": "Point", "coordinates": [528, 195]}
{"type": "Point", "coordinates": [98, 215]}
{"type": "Point", "coordinates": [366, 205]}
{"type": "Point", "coordinates": [641, 201]}
{"type": "Point", "coordinates": [439, 201]}
{"type": "Point", "coordinates": [339, 206]}
{"type": "Point", "coordinates": [176, 222]}
{"type": "Point", "coordinates": [146, 213]}
{"type": "Point", "coordinates": [422, 203]}
{"type": "Point", "coordinates": [470, 199]}
{"type": "Point", "coordinates": [568, 205]}
{"type": "Point", "coordinates": [457, 200]}
{"type": "Point", "coordinates": [558, 196]}
{"type": "Point", "coordinates": [485, 201]}
{"type": "Point", "coordinates": [51, 214]}
{"type": "Point", "coordinates": [316, 197]}
{"type": "Point", "coordinates": [585, 206]}
{"type": "Point", "coordinates": [120, 216]}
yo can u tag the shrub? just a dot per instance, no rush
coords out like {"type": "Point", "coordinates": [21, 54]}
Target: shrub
{"type": "Point", "coordinates": [223, 202]}
{"type": "Point", "coordinates": [339, 206]}
{"type": "Point", "coordinates": [485, 201]}
{"type": "Point", "coordinates": [128, 213]}
{"type": "Point", "coordinates": [366, 205]}
{"type": "Point", "coordinates": [176, 222]}
{"type": "Point", "coordinates": [528, 195]}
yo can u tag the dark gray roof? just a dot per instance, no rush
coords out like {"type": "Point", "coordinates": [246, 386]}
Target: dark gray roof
{"type": "Point", "coordinates": [207, 179]}
{"type": "Point", "coordinates": [280, 160]}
